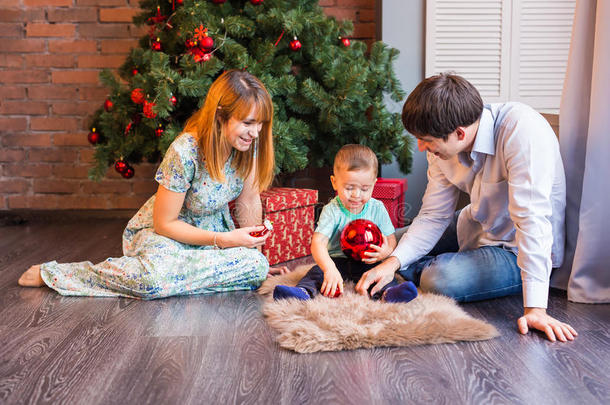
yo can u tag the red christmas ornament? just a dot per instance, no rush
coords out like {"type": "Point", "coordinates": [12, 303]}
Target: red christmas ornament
{"type": "Point", "coordinates": [159, 18]}
{"type": "Point", "coordinates": [345, 42]}
{"type": "Point", "coordinates": [218, 1]}
{"type": "Point", "coordinates": [148, 110]}
{"type": "Point", "coordinates": [156, 45]}
{"type": "Point", "coordinates": [189, 43]}
{"type": "Point", "coordinates": [120, 166]}
{"type": "Point", "coordinates": [159, 131]}
{"type": "Point", "coordinates": [357, 236]}
{"type": "Point", "coordinates": [206, 57]}
{"type": "Point", "coordinates": [256, 2]}
{"type": "Point", "coordinates": [173, 100]}
{"type": "Point", "coordinates": [206, 43]}
{"type": "Point", "coordinates": [128, 127]}
{"type": "Point", "coordinates": [128, 173]}
{"type": "Point", "coordinates": [93, 137]}
{"type": "Point", "coordinates": [180, 2]}
{"type": "Point", "coordinates": [134, 71]}
{"type": "Point", "coordinates": [268, 227]}
{"type": "Point", "coordinates": [295, 44]}
{"type": "Point", "coordinates": [337, 293]}
{"type": "Point", "coordinates": [137, 96]}
{"type": "Point", "coordinates": [108, 105]}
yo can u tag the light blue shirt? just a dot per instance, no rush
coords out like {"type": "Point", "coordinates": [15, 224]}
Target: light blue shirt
{"type": "Point", "coordinates": [335, 216]}
{"type": "Point", "coordinates": [515, 178]}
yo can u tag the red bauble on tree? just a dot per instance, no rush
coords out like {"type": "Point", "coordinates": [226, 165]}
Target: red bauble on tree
{"type": "Point", "coordinates": [156, 45]}
{"type": "Point", "coordinates": [295, 44]}
{"type": "Point", "coordinates": [159, 131]}
{"type": "Point", "coordinates": [147, 110]}
{"type": "Point", "coordinates": [134, 71]}
{"type": "Point", "coordinates": [358, 236]}
{"type": "Point", "coordinates": [137, 96]}
{"type": "Point", "coordinates": [190, 43]}
{"type": "Point", "coordinates": [206, 43]}
{"type": "Point", "coordinates": [108, 105]}
{"type": "Point", "coordinates": [93, 137]}
{"type": "Point", "coordinates": [173, 100]}
{"type": "Point", "coordinates": [345, 42]}
{"type": "Point", "coordinates": [256, 2]}
{"type": "Point", "coordinates": [121, 165]}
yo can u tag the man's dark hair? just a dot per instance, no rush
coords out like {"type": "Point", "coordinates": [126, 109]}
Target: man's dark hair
{"type": "Point", "coordinates": [440, 104]}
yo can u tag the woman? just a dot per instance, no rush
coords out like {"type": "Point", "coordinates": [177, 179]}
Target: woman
{"type": "Point", "coordinates": [183, 240]}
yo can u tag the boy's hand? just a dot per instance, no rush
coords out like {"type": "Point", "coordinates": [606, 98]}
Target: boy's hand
{"type": "Point", "coordinates": [332, 282]}
{"type": "Point", "coordinates": [380, 253]}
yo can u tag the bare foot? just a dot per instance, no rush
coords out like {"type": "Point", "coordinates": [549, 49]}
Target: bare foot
{"type": "Point", "coordinates": [31, 278]}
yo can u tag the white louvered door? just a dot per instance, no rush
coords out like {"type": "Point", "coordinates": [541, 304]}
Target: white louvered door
{"type": "Point", "coordinates": [513, 50]}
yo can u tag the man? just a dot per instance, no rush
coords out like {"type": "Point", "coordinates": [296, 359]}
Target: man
{"type": "Point", "coordinates": [510, 236]}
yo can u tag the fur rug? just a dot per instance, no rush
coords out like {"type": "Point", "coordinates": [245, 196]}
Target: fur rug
{"type": "Point", "coordinates": [353, 321]}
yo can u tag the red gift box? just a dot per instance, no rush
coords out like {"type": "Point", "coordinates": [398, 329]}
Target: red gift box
{"type": "Point", "coordinates": [392, 193]}
{"type": "Point", "coordinates": [292, 212]}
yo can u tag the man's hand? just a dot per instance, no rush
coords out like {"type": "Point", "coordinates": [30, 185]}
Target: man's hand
{"type": "Point", "coordinates": [537, 318]}
{"type": "Point", "coordinates": [379, 275]}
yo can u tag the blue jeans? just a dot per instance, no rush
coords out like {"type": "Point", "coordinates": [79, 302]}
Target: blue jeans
{"type": "Point", "coordinates": [471, 275]}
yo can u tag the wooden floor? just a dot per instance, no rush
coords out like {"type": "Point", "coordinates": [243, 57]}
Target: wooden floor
{"type": "Point", "coordinates": [217, 349]}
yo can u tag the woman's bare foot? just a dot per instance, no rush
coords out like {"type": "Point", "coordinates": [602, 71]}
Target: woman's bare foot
{"type": "Point", "coordinates": [31, 278]}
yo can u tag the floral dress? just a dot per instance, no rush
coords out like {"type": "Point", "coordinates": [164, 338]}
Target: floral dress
{"type": "Point", "coordinates": [155, 266]}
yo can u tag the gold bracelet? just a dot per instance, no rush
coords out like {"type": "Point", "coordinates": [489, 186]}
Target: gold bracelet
{"type": "Point", "coordinates": [215, 245]}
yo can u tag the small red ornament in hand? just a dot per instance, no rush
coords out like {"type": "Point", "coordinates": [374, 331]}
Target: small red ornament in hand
{"type": "Point", "coordinates": [268, 228]}
{"type": "Point", "coordinates": [108, 105]}
{"type": "Point", "coordinates": [148, 110]}
{"type": "Point", "coordinates": [93, 137]}
{"type": "Point", "coordinates": [137, 96]}
{"type": "Point", "coordinates": [345, 42]}
{"type": "Point", "coordinates": [120, 166]}
{"type": "Point", "coordinates": [295, 44]}
{"type": "Point", "coordinates": [358, 236]}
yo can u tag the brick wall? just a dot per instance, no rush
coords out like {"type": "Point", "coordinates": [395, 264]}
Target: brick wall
{"type": "Point", "coordinates": [51, 52]}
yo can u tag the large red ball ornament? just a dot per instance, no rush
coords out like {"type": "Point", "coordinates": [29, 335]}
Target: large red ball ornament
{"type": "Point", "coordinates": [358, 236]}
{"type": "Point", "coordinates": [207, 43]}
{"type": "Point", "coordinates": [137, 96]}
{"type": "Point", "coordinates": [120, 166]}
{"type": "Point", "coordinates": [295, 44]}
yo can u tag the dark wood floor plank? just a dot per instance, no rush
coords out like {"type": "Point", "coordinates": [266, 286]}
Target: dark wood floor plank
{"type": "Point", "coordinates": [218, 348]}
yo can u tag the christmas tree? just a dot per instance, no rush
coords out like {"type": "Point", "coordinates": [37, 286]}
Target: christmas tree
{"type": "Point", "coordinates": [327, 90]}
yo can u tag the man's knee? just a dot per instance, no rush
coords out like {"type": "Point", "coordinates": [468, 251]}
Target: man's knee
{"type": "Point", "coordinates": [441, 277]}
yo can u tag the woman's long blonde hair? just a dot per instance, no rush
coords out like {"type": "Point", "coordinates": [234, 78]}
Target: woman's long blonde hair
{"type": "Point", "coordinates": [233, 94]}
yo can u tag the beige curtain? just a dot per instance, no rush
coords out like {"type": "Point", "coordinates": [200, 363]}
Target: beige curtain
{"type": "Point", "coordinates": [584, 136]}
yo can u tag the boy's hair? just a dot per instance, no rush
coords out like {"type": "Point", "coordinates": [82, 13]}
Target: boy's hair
{"type": "Point", "coordinates": [355, 157]}
{"type": "Point", "coordinates": [440, 104]}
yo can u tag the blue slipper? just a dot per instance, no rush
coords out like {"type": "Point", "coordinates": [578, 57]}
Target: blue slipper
{"type": "Point", "coordinates": [282, 292]}
{"type": "Point", "coordinates": [404, 292]}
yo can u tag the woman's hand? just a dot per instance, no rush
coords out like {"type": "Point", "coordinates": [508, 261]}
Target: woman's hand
{"type": "Point", "coordinates": [241, 237]}
{"type": "Point", "coordinates": [380, 253]}
{"type": "Point", "coordinates": [332, 282]}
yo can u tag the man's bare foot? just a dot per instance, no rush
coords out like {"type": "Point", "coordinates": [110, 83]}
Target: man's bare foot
{"type": "Point", "coordinates": [31, 278]}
